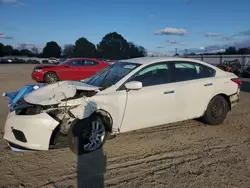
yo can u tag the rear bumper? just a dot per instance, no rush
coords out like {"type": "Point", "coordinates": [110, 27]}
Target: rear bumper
{"type": "Point", "coordinates": [235, 98]}
{"type": "Point", "coordinates": [29, 131]}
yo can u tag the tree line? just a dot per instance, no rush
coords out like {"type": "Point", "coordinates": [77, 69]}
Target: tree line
{"type": "Point", "coordinates": [113, 46]}
{"type": "Point", "coordinates": [231, 50]}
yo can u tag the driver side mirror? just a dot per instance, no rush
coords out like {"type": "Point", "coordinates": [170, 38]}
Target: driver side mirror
{"type": "Point", "coordinates": [133, 85]}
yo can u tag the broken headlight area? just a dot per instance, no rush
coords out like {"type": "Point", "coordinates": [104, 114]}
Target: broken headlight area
{"type": "Point", "coordinates": [29, 109]}
{"type": "Point", "coordinates": [24, 108]}
{"type": "Point", "coordinates": [61, 114]}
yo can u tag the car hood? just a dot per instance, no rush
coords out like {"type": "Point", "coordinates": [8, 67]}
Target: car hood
{"type": "Point", "coordinates": [54, 93]}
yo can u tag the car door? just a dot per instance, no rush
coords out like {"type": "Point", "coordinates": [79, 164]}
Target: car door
{"type": "Point", "coordinates": [154, 103]}
{"type": "Point", "coordinates": [194, 87]}
{"type": "Point", "coordinates": [71, 70]}
{"type": "Point", "coordinates": [89, 68]}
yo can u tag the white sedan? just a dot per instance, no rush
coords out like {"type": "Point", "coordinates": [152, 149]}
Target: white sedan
{"type": "Point", "coordinates": [128, 95]}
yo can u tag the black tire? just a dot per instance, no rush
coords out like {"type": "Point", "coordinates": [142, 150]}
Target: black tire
{"type": "Point", "coordinates": [78, 129]}
{"type": "Point", "coordinates": [50, 78]}
{"type": "Point", "coordinates": [216, 111]}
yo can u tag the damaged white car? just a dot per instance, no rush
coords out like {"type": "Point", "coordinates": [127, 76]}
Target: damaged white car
{"type": "Point", "coordinates": [130, 94]}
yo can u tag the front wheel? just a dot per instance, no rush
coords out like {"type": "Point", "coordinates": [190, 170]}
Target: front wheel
{"type": "Point", "coordinates": [216, 111]}
{"type": "Point", "coordinates": [50, 77]}
{"type": "Point", "coordinates": [87, 135]}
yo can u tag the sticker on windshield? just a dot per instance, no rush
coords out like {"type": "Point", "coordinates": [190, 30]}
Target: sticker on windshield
{"type": "Point", "coordinates": [129, 66]}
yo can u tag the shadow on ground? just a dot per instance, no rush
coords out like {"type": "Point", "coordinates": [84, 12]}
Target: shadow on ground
{"type": "Point", "coordinates": [90, 169]}
{"type": "Point", "coordinates": [245, 86]}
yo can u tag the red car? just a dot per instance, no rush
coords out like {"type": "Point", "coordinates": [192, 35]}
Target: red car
{"type": "Point", "coordinates": [71, 69]}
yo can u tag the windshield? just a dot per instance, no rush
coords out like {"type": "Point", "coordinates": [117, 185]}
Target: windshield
{"type": "Point", "coordinates": [62, 62]}
{"type": "Point", "coordinates": [112, 74]}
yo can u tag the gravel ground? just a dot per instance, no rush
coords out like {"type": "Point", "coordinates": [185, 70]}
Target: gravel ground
{"type": "Point", "coordinates": [185, 154]}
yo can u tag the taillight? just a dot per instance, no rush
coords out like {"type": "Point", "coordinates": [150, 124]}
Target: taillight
{"type": "Point", "coordinates": [237, 81]}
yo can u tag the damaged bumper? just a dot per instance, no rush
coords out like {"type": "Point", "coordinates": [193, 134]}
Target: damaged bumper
{"type": "Point", "coordinates": [235, 98]}
{"type": "Point", "coordinates": [29, 131]}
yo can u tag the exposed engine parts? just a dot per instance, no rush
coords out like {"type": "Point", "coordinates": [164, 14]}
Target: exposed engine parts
{"type": "Point", "coordinates": [59, 112]}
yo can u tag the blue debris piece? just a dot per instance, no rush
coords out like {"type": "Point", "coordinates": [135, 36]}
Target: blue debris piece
{"type": "Point", "coordinates": [20, 94]}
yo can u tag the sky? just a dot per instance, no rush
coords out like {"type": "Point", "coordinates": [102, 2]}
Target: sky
{"type": "Point", "coordinates": [160, 26]}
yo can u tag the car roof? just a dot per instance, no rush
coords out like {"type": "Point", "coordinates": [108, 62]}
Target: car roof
{"type": "Point", "coordinates": [83, 58]}
{"type": "Point", "coordinates": [150, 60]}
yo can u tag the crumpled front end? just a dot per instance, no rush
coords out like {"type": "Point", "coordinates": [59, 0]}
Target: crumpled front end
{"type": "Point", "coordinates": [33, 125]}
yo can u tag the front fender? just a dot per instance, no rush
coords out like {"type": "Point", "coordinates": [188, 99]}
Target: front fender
{"type": "Point", "coordinates": [88, 106]}
{"type": "Point", "coordinates": [84, 110]}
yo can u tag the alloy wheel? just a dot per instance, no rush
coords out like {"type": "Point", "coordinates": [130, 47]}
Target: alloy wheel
{"type": "Point", "coordinates": [52, 78]}
{"type": "Point", "coordinates": [94, 136]}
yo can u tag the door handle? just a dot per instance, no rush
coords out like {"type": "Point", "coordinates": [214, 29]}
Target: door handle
{"type": "Point", "coordinates": [169, 92]}
{"type": "Point", "coordinates": [209, 84]}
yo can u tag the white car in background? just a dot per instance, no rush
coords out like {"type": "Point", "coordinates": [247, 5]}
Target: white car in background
{"type": "Point", "coordinates": [53, 60]}
{"type": "Point", "coordinates": [128, 95]}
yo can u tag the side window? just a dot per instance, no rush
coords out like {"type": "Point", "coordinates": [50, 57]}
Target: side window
{"type": "Point", "coordinates": [76, 63]}
{"type": "Point", "coordinates": [90, 63]}
{"type": "Point", "coordinates": [184, 71]}
{"type": "Point", "coordinates": [153, 75]}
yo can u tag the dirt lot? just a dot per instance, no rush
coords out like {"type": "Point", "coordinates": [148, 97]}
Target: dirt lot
{"type": "Point", "coordinates": [185, 154]}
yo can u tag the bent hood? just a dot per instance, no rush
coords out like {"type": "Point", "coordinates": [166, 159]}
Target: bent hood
{"type": "Point", "coordinates": [54, 93]}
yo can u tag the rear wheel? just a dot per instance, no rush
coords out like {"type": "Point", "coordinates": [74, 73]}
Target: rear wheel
{"type": "Point", "coordinates": [87, 135]}
{"type": "Point", "coordinates": [216, 111]}
{"type": "Point", "coordinates": [51, 77]}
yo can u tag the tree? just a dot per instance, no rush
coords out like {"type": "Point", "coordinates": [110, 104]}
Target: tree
{"type": "Point", "coordinates": [52, 49]}
{"type": "Point", "coordinates": [68, 50]}
{"type": "Point", "coordinates": [34, 50]}
{"type": "Point", "coordinates": [8, 50]}
{"type": "Point", "coordinates": [16, 52]}
{"type": "Point", "coordinates": [231, 50]}
{"type": "Point", "coordinates": [135, 51]}
{"type": "Point", "coordinates": [1, 50]}
{"type": "Point", "coordinates": [22, 46]}
{"type": "Point", "coordinates": [113, 46]}
{"type": "Point", "coordinates": [142, 51]}
{"type": "Point", "coordinates": [244, 51]}
{"type": "Point", "coordinates": [84, 48]}
{"type": "Point", "coordinates": [26, 52]}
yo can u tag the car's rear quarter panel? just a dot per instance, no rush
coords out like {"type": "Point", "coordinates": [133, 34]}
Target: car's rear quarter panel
{"type": "Point", "coordinates": [224, 84]}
